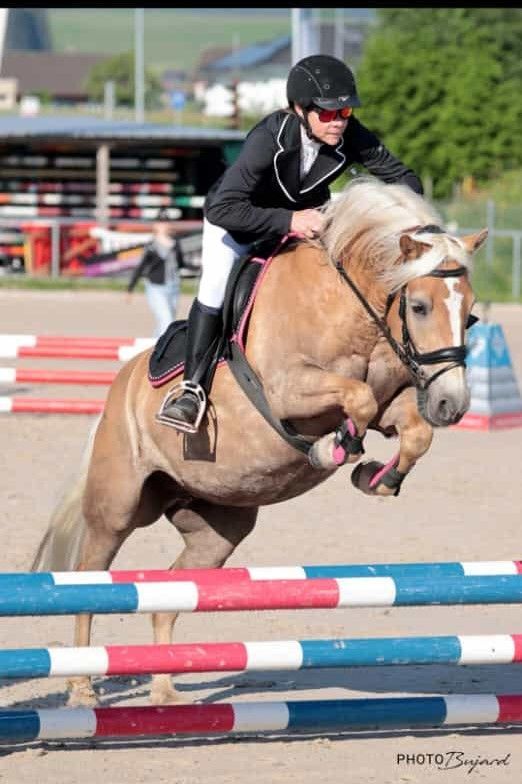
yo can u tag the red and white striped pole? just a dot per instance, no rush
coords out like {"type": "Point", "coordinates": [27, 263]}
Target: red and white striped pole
{"type": "Point", "coordinates": [74, 340]}
{"type": "Point", "coordinates": [43, 376]}
{"type": "Point", "coordinates": [34, 405]}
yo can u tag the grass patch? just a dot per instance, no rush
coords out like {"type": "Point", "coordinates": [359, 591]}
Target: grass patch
{"type": "Point", "coordinates": [173, 38]}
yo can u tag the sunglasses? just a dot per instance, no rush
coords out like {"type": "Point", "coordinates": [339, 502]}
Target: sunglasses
{"type": "Point", "coordinates": [329, 115]}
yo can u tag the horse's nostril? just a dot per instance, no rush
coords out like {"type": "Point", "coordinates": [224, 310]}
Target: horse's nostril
{"type": "Point", "coordinates": [444, 409]}
{"type": "Point", "coordinates": [449, 412]}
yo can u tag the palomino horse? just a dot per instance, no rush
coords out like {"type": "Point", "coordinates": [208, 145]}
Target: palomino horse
{"type": "Point", "coordinates": [363, 328]}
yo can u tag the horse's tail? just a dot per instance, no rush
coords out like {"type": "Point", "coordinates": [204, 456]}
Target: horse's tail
{"type": "Point", "coordinates": [59, 549]}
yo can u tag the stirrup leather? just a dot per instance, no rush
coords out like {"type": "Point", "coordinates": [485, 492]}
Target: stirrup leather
{"type": "Point", "coordinates": [176, 392]}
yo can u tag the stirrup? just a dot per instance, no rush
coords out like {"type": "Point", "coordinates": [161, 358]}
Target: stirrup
{"type": "Point", "coordinates": [176, 392]}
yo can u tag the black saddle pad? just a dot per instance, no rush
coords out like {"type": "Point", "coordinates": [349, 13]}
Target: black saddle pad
{"type": "Point", "coordinates": [168, 357]}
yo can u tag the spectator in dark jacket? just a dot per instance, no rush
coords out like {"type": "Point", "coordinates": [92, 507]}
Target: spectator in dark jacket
{"type": "Point", "coordinates": [277, 185]}
{"type": "Point", "coordinates": [160, 268]}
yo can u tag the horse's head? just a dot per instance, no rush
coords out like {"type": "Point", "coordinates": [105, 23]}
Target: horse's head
{"type": "Point", "coordinates": [435, 299]}
{"type": "Point", "coordinates": [425, 281]}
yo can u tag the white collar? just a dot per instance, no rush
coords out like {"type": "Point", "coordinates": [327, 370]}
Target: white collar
{"type": "Point", "coordinates": [308, 143]}
{"type": "Point", "coordinates": [309, 152]}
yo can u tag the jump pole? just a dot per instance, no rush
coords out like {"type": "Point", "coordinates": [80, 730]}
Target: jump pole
{"type": "Point", "coordinates": [25, 725]}
{"type": "Point", "coordinates": [259, 656]}
{"type": "Point", "coordinates": [42, 376]}
{"type": "Point", "coordinates": [189, 596]}
{"type": "Point", "coordinates": [36, 405]}
{"type": "Point", "coordinates": [114, 353]}
{"type": "Point", "coordinates": [30, 341]}
{"type": "Point", "coordinates": [424, 570]}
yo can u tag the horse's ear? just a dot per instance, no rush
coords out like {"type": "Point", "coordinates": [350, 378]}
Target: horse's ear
{"type": "Point", "coordinates": [412, 248]}
{"type": "Point", "coordinates": [472, 242]}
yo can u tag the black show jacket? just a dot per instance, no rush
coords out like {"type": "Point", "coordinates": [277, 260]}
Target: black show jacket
{"type": "Point", "coordinates": [258, 193]}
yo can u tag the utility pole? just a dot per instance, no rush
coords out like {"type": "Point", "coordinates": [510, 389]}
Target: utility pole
{"type": "Point", "coordinates": [139, 66]}
{"type": "Point", "coordinates": [4, 17]}
{"type": "Point", "coordinates": [236, 46]}
{"type": "Point", "coordinates": [339, 34]}
{"type": "Point", "coordinates": [305, 33]}
{"type": "Point", "coordinates": [296, 35]}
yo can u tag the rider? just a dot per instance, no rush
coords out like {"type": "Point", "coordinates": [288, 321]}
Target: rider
{"type": "Point", "coordinates": [274, 187]}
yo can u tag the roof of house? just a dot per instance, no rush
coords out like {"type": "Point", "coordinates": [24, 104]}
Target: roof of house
{"type": "Point", "coordinates": [276, 54]}
{"type": "Point", "coordinates": [249, 56]}
{"type": "Point", "coordinates": [61, 74]}
{"type": "Point", "coordinates": [95, 129]}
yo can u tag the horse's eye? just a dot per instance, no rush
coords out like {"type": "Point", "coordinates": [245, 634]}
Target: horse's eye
{"type": "Point", "coordinates": [419, 308]}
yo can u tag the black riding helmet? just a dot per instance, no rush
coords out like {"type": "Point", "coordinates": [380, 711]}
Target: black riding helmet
{"type": "Point", "coordinates": [323, 81]}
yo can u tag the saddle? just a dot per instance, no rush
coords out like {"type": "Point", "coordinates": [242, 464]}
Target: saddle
{"type": "Point", "coordinates": [168, 357]}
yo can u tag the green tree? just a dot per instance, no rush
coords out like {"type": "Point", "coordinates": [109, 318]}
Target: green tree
{"type": "Point", "coordinates": [443, 88]}
{"type": "Point", "coordinates": [120, 70]}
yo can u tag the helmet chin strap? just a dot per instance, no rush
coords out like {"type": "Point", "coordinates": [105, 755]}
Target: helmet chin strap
{"type": "Point", "coordinates": [306, 125]}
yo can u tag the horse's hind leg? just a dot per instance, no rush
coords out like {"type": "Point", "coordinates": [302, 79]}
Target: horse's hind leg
{"type": "Point", "coordinates": [113, 506]}
{"type": "Point", "coordinates": [211, 534]}
{"type": "Point", "coordinates": [98, 551]}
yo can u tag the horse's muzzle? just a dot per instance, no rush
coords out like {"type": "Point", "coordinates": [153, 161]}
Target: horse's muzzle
{"type": "Point", "coordinates": [442, 410]}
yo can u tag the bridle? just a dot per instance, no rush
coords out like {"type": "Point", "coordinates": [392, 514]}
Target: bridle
{"type": "Point", "coordinates": [451, 356]}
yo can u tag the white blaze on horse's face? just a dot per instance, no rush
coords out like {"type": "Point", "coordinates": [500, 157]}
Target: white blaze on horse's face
{"type": "Point", "coordinates": [454, 304]}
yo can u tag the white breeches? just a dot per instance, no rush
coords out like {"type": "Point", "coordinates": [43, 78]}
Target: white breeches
{"type": "Point", "coordinates": [218, 254]}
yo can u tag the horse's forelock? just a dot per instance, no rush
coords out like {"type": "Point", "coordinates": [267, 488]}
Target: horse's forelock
{"type": "Point", "coordinates": [443, 247]}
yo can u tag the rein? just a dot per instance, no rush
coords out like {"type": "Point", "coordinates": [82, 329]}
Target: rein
{"type": "Point", "coordinates": [406, 352]}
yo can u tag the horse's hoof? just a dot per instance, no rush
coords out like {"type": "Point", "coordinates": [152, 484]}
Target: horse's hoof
{"type": "Point", "coordinates": [362, 475]}
{"type": "Point", "coordinates": [162, 692]}
{"type": "Point", "coordinates": [321, 453]}
{"type": "Point", "coordinates": [82, 696]}
{"type": "Point", "coordinates": [167, 696]}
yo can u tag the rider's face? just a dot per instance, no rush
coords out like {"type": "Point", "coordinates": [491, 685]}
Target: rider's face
{"type": "Point", "coordinates": [329, 132]}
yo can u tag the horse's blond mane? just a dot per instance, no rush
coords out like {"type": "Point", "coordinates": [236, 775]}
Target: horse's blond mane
{"type": "Point", "coordinates": [366, 220]}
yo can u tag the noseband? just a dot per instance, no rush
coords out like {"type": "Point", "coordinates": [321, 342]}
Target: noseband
{"type": "Point", "coordinates": [452, 356]}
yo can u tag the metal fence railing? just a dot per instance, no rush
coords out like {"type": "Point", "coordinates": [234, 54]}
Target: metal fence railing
{"type": "Point", "coordinates": [497, 267]}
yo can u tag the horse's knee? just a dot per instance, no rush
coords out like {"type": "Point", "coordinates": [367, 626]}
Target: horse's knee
{"type": "Point", "coordinates": [361, 404]}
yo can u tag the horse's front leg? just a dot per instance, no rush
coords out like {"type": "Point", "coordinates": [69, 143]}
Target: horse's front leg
{"type": "Point", "coordinates": [415, 435]}
{"type": "Point", "coordinates": [309, 392]}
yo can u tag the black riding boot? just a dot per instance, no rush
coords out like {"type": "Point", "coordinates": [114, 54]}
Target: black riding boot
{"type": "Point", "coordinates": [204, 330]}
